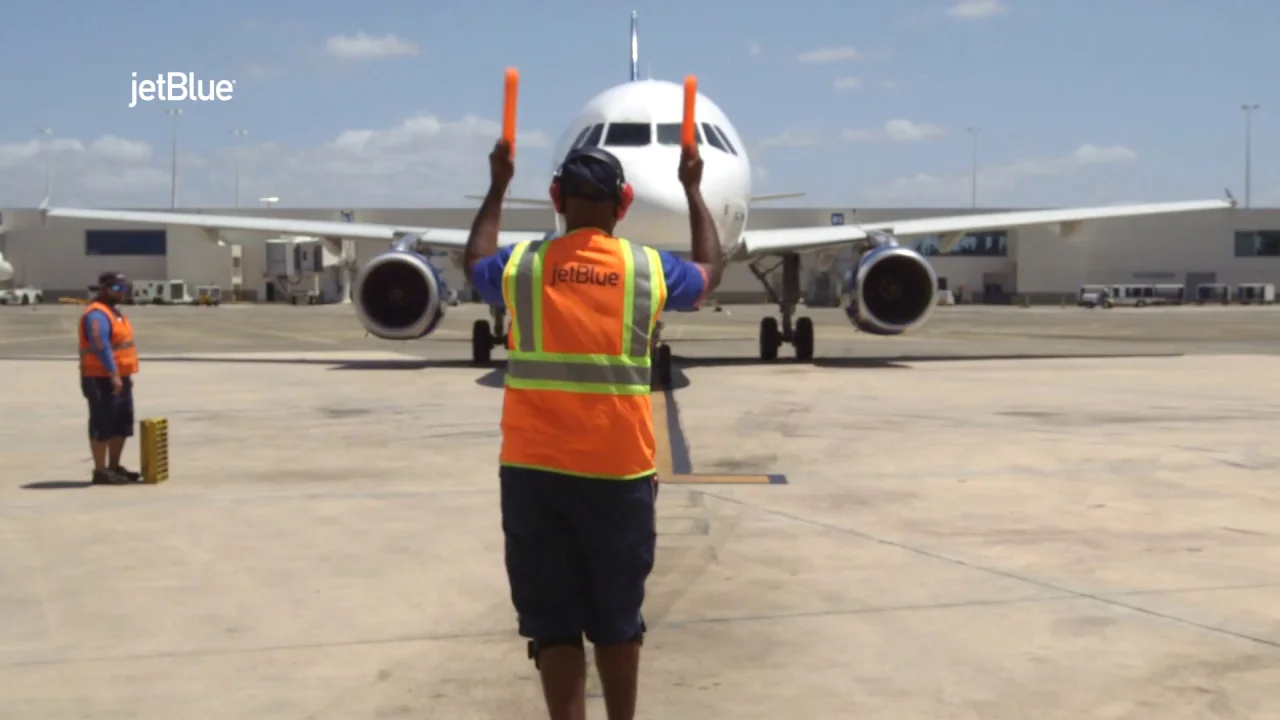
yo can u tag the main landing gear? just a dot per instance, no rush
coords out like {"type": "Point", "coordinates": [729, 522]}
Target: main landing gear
{"type": "Point", "coordinates": [485, 337]}
{"type": "Point", "coordinates": [489, 334]}
{"type": "Point", "coordinates": [800, 336]}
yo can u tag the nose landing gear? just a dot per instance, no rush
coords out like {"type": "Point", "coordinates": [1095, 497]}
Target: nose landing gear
{"type": "Point", "coordinates": [486, 337]}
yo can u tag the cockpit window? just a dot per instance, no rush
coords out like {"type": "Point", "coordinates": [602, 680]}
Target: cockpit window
{"type": "Point", "coordinates": [593, 137]}
{"type": "Point", "coordinates": [669, 134]}
{"type": "Point", "coordinates": [725, 137]}
{"type": "Point", "coordinates": [713, 137]}
{"type": "Point", "coordinates": [577, 143]}
{"type": "Point", "coordinates": [628, 135]}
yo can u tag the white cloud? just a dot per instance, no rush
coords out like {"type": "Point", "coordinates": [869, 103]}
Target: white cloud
{"type": "Point", "coordinates": [823, 56]}
{"type": "Point", "coordinates": [996, 180]}
{"type": "Point", "coordinates": [111, 147]}
{"type": "Point", "coordinates": [976, 9]}
{"type": "Point", "coordinates": [422, 161]}
{"type": "Point", "coordinates": [792, 138]}
{"type": "Point", "coordinates": [754, 49]}
{"type": "Point", "coordinates": [363, 46]}
{"type": "Point", "coordinates": [848, 83]}
{"type": "Point", "coordinates": [898, 130]}
{"type": "Point", "coordinates": [907, 131]}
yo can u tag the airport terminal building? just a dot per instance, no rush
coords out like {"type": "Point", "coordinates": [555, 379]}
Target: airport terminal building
{"type": "Point", "coordinates": [62, 257]}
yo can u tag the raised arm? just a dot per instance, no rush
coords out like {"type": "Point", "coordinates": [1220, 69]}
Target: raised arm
{"type": "Point", "coordinates": [705, 239]}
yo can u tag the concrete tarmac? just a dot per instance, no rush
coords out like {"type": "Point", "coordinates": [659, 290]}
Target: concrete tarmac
{"type": "Point", "coordinates": [1048, 513]}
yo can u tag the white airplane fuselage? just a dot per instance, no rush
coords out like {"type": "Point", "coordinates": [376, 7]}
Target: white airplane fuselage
{"type": "Point", "coordinates": [639, 123]}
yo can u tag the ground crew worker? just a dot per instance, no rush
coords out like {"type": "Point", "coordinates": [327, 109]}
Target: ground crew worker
{"type": "Point", "coordinates": [577, 467]}
{"type": "Point", "coordinates": [108, 362]}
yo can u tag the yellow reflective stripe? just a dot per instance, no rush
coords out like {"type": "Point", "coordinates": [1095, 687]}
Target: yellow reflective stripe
{"type": "Point", "coordinates": [576, 387]}
{"type": "Point", "coordinates": [657, 289]}
{"type": "Point", "coordinates": [585, 358]}
{"type": "Point", "coordinates": [518, 285]}
{"type": "Point", "coordinates": [539, 258]}
{"type": "Point", "coordinates": [561, 471]}
{"type": "Point", "coordinates": [525, 368]}
{"type": "Point", "coordinates": [628, 297]}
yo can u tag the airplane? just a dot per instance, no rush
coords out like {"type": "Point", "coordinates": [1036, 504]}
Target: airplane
{"type": "Point", "coordinates": [891, 289]}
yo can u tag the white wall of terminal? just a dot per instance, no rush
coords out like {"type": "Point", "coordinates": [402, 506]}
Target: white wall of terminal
{"type": "Point", "coordinates": [1156, 249]}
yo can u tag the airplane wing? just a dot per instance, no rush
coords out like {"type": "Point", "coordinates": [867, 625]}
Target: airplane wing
{"type": "Point", "coordinates": [1067, 221]}
{"type": "Point", "coordinates": [440, 238]}
{"type": "Point", "coordinates": [536, 202]}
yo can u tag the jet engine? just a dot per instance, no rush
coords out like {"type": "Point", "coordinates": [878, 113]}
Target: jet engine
{"type": "Point", "coordinates": [399, 294]}
{"type": "Point", "coordinates": [891, 290]}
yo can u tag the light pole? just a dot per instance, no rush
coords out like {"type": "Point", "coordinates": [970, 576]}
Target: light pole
{"type": "Point", "coordinates": [973, 168]}
{"type": "Point", "coordinates": [47, 133]}
{"type": "Point", "coordinates": [1248, 150]}
{"type": "Point", "coordinates": [175, 113]}
{"type": "Point", "coordinates": [238, 134]}
{"type": "Point", "coordinates": [268, 201]}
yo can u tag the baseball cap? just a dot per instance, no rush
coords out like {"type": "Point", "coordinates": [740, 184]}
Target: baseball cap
{"type": "Point", "coordinates": [112, 277]}
{"type": "Point", "coordinates": [591, 174]}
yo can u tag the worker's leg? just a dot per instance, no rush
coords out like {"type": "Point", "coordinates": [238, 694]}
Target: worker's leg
{"type": "Point", "coordinates": [618, 532]}
{"type": "Point", "coordinates": [97, 391]}
{"type": "Point", "coordinates": [544, 568]}
{"type": "Point", "coordinates": [121, 428]}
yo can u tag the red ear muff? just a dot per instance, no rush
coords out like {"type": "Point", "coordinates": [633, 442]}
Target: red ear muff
{"type": "Point", "coordinates": [555, 197]}
{"type": "Point", "coordinates": [625, 196]}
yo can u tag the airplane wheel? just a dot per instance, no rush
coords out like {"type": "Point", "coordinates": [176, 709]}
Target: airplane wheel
{"type": "Point", "coordinates": [804, 339]}
{"type": "Point", "coordinates": [481, 343]}
{"type": "Point", "coordinates": [770, 339]}
{"type": "Point", "coordinates": [662, 366]}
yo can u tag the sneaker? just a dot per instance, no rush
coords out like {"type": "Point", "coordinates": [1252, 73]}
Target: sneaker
{"type": "Point", "coordinates": [127, 473]}
{"type": "Point", "coordinates": [109, 477]}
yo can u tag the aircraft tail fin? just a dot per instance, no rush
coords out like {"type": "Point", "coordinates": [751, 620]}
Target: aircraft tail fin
{"type": "Point", "coordinates": [635, 49]}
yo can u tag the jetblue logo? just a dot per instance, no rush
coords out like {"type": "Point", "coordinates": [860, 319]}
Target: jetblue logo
{"type": "Point", "coordinates": [837, 218]}
{"type": "Point", "coordinates": [583, 275]}
{"type": "Point", "coordinates": [348, 215]}
{"type": "Point", "coordinates": [176, 86]}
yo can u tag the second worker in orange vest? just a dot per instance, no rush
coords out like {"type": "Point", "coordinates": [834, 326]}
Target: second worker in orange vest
{"type": "Point", "coordinates": [577, 467]}
{"type": "Point", "coordinates": [108, 362]}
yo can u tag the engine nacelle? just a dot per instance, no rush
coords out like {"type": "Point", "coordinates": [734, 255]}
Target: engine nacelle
{"type": "Point", "coordinates": [890, 291]}
{"type": "Point", "coordinates": [399, 294]}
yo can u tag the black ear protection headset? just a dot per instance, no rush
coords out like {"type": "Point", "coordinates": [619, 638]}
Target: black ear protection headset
{"type": "Point", "coordinates": [623, 193]}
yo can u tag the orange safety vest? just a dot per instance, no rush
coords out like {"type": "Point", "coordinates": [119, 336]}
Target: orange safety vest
{"type": "Point", "coordinates": [122, 347]}
{"type": "Point", "coordinates": [584, 307]}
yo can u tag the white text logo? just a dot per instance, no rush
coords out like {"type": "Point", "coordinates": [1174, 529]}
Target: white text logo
{"type": "Point", "coordinates": [176, 86]}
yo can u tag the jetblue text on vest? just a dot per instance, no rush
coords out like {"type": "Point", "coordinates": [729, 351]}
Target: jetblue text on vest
{"type": "Point", "coordinates": [579, 274]}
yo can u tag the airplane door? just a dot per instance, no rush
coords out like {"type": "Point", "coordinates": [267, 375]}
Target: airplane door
{"type": "Point", "coordinates": [732, 222]}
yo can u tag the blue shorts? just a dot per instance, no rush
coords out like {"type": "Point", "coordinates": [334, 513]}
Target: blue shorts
{"type": "Point", "coordinates": [578, 553]}
{"type": "Point", "coordinates": [110, 416]}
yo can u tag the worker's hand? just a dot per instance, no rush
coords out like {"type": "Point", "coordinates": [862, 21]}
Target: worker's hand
{"type": "Point", "coordinates": [690, 168]}
{"type": "Point", "coordinates": [117, 385]}
{"type": "Point", "coordinates": [501, 166]}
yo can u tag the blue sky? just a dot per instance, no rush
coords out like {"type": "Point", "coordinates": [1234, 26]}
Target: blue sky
{"type": "Point", "coordinates": [855, 103]}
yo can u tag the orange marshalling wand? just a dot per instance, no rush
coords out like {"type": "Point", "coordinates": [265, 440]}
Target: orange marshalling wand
{"type": "Point", "coordinates": [510, 91]}
{"type": "Point", "coordinates": [688, 133]}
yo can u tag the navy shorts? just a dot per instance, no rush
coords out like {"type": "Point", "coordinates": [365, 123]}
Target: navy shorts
{"type": "Point", "coordinates": [110, 416]}
{"type": "Point", "coordinates": [578, 553]}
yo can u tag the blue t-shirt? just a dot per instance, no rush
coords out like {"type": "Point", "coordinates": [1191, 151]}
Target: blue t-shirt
{"type": "Point", "coordinates": [686, 281]}
{"type": "Point", "coordinates": [97, 327]}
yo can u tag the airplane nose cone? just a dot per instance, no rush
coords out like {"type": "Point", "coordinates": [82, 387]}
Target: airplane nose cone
{"type": "Point", "coordinates": [659, 212]}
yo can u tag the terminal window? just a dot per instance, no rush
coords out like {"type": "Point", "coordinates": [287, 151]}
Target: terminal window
{"type": "Point", "coordinates": [125, 242]}
{"type": "Point", "coordinates": [989, 243]}
{"type": "Point", "coordinates": [1258, 243]}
